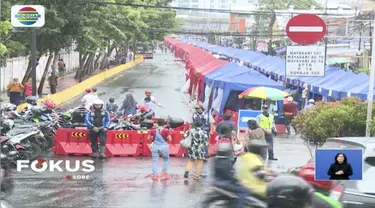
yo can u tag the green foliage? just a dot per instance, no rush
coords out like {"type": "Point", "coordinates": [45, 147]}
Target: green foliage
{"type": "Point", "coordinates": [283, 4]}
{"type": "Point", "coordinates": [335, 119]}
{"type": "Point", "coordinates": [366, 71]}
{"type": "Point", "coordinates": [90, 25]}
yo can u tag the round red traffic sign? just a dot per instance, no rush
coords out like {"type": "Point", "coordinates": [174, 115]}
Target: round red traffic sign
{"type": "Point", "coordinates": [306, 29]}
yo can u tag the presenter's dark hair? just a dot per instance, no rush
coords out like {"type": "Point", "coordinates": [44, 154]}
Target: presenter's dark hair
{"type": "Point", "coordinates": [338, 154]}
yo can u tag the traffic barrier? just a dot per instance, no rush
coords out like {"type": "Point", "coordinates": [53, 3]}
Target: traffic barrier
{"type": "Point", "coordinates": [72, 141]}
{"type": "Point", "coordinates": [175, 149]}
{"type": "Point", "coordinates": [124, 143]}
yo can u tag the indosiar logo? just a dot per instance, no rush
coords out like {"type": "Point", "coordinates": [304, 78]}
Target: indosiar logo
{"type": "Point", "coordinates": [27, 16]}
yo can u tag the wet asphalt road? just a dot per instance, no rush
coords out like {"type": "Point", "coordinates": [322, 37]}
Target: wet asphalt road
{"type": "Point", "coordinates": [125, 181]}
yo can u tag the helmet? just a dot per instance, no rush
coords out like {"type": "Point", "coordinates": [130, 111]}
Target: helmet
{"type": "Point", "coordinates": [224, 150]}
{"type": "Point", "coordinates": [311, 101]}
{"type": "Point", "coordinates": [8, 107]}
{"type": "Point", "coordinates": [111, 100]}
{"type": "Point", "coordinates": [256, 146]}
{"type": "Point", "coordinates": [289, 191]}
{"type": "Point", "coordinates": [39, 109]}
{"type": "Point", "coordinates": [49, 104]}
{"type": "Point", "coordinates": [94, 89]}
{"type": "Point", "coordinates": [88, 90]}
{"type": "Point", "coordinates": [143, 108]}
{"type": "Point", "coordinates": [290, 99]}
{"type": "Point", "coordinates": [7, 124]}
{"type": "Point", "coordinates": [148, 92]}
{"type": "Point", "coordinates": [98, 102]}
{"type": "Point", "coordinates": [32, 100]}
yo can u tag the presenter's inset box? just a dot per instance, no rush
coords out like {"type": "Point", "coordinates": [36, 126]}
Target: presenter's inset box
{"type": "Point", "coordinates": [325, 158]}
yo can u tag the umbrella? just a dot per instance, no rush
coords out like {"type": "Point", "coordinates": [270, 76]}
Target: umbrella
{"type": "Point", "coordinates": [264, 93]}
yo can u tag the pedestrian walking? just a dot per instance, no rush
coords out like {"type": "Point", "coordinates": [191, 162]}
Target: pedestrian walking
{"type": "Point", "coordinates": [255, 132]}
{"type": "Point", "coordinates": [226, 122]}
{"type": "Point", "coordinates": [97, 121]}
{"type": "Point", "coordinates": [61, 68]}
{"type": "Point", "coordinates": [197, 151]}
{"type": "Point", "coordinates": [88, 99]}
{"type": "Point", "coordinates": [15, 90]}
{"type": "Point", "coordinates": [129, 105]}
{"type": "Point", "coordinates": [28, 88]}
{"type": "Point", "coordinates": [267, 122]}
{"type": "Point", "coordinates": [130, 56]}
{"type": "Point", "coordinates": [160, 137]}
{"type": "Point", "coordinates": [290, 111]}
{"type": "Point", "coordinates": [53, 83]}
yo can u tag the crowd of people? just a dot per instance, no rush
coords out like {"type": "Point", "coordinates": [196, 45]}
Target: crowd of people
{"type": "Point", "coordinates": [97, 118]}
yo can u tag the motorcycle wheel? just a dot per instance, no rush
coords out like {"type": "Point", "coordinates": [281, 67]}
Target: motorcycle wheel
{"type": "Point", "coordinates": [23, 155]}
{"type": "Point", "coordinates": [34, 151]}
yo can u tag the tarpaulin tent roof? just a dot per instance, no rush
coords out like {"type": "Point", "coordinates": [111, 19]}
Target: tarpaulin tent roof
{"type": "Point", "coordinates": [202, 71]}
{"type": "Point", "coordinates": [276, 66]}
{"type": "Point", "coordinates": [234, 77]}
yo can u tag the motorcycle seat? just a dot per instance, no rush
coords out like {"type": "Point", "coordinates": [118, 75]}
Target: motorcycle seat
{"type": "Point", "coordinates": [24, 126]}
{"type": "Point", "coordinates": [224, 192]}
{"type": "Point", "coordinates": [17, 131]}
{"type": "Point", "coordinates": [254, 200]}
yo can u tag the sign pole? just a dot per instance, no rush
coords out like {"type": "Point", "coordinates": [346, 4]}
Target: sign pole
{"type": "Point", "coordinates": [370, 96]}
{"type": "Point", "coordinates": [33, 61]}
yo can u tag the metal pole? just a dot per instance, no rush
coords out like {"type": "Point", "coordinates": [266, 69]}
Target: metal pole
{"type": "Point", "coordinates": [109, 51]}
{"type": "Point", "coordinates": [370, 96]}
{"type": "Point", "coordinates": [33, 61]}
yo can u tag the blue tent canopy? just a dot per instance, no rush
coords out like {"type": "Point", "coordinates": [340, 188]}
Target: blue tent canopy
{"type": "Point", "coordinates": [225, 70]}
{"type": "Point", "coordinates": [337, 83]}
{"type": "Point", "coordinates": [234, 77]}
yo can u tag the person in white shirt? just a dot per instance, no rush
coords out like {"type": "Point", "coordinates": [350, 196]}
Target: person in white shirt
{"type": "Point", "coordinates": [311, 104]}
{"type": "Point", "coordinates": [149, 100]}
{"type": "Point", "coordinates": [88, 99]}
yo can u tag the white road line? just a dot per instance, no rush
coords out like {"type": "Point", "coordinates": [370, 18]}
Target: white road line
{"type": "Point", "coordinates": [305, 29]}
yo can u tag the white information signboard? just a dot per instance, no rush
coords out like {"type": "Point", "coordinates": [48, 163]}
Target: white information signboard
{"type": "Point", "coordinates": [305, 61]}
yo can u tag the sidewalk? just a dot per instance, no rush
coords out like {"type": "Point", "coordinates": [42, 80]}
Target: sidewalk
{"type": "Point", "coordinates": [63, 83]}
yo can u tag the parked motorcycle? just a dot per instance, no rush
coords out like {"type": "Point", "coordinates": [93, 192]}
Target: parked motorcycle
{"type": "Point", "coordinates": [32, 139]}
{"type": "Point", "coordinates": [8, 146]}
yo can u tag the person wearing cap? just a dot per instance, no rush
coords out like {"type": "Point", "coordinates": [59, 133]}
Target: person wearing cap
{"type": "Point", "coordinates": [290, 110]}
{"type": "Point", "coordinates": [311, 104]}
{"type": "Point", "coordinates": [97, 121]}
{"type": "Point", "coordinates": [272, 109]}
{"type": "Point", "coordinates": [148, 99]}
{"type": "Point", "coordinates": [88, 99]}
{"type": "Point", "coordinates": [267, 122]}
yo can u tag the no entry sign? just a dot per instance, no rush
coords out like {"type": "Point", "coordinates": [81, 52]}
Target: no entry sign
{"type": "Point", "coordinates": [306, 29]}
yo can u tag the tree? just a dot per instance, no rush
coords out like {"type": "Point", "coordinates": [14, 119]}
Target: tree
{"type": "Point", "coordinates": [90, 25]}
{"type": "Point", "coordinates": [346, 118]}
{"type": "Point", "coordinates": [271, 6]}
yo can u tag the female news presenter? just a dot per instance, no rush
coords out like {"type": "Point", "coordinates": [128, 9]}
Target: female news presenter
{"type": "Point", "coordinates": [340, 169]}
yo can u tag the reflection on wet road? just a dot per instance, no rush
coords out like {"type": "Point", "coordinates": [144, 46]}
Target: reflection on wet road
{"type": "Point", "coordinates": [125, 181]}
